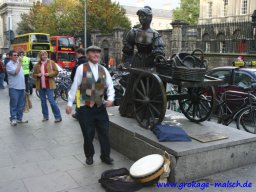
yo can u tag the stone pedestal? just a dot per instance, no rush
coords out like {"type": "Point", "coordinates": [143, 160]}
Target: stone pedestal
{"type": "Point", "coordinates": [190, 160]}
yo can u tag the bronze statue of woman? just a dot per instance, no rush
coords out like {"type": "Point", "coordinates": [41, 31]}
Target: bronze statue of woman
{"type": "Point", "coordinates": [149, 44]}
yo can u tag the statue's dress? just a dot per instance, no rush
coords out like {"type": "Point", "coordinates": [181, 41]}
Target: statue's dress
{"type": "Point", "coordinates": [149, 44]}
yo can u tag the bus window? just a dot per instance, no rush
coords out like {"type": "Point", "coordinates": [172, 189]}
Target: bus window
{"type": "Point", "coordinates": [34, 54]}
{"type": "Point", "coordinates": [71, 41]}
{"type": "Point", "coordinates": [53, 56]}
{"type": "Point", "coordinates": [40, 46]}
{"type": "Point", "coordinates": [72, 57]}
{"type": "Point", "coordinates": [63, 42]}
{"type": "Point", "coordinates": [40, 38]}
{"type": "Point", "coordinates": [66, 42]}
{"type": "Point", "coordinates": [66, 57]}
{"type": "Point", "coordinates": [53, 42]}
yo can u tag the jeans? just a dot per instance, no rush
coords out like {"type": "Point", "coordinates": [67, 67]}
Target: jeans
{"type": "Point", "coordinates": [2, 75]}
{"type": "Point", "coordinates": [6, 77]}
{"type": "Point", "coordinates": [91, 119]}
{"type": "Point", "coordinates": [17, 103]}
{"type": "Point", "coordinates": [50, 95]}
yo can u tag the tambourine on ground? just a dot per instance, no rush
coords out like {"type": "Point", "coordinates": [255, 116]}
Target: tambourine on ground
{"type": "Point", "coordinates": [149, 169]}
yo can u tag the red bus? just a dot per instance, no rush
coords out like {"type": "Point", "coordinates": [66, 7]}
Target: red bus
{"type": "Point", "coordinates": [63, 51]}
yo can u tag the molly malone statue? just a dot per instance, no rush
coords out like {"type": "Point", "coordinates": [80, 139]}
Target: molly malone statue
{"type": "Point", "coordinates": [149, 44]}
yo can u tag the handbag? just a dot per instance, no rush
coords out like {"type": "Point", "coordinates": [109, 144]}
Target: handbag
{"type": "Point", "coordinates": [28, 104]}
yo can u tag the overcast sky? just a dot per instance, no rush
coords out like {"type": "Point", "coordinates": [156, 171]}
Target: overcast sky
{"type": "Point", "coordinates": [157, 4]}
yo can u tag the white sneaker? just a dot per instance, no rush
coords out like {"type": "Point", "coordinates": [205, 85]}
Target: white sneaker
{"type": "Point", "coordinates": [13, 122]}
{"type": "Point", "coordinates": [22, 121]}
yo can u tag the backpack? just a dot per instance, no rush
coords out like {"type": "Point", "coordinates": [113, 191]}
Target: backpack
{"type": "Point", "coordinates": [118, 180]}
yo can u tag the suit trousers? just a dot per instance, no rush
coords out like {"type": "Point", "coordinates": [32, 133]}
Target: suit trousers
{"type": "Point", "coordinates": [91, 119]}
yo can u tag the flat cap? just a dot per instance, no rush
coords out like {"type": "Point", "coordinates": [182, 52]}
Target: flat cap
{"type": "Point", "coordinates": [93, 48]}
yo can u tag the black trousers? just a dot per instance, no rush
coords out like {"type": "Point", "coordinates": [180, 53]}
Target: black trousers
{"type": "Point", "coordinates": [27, 83]}
{"type": "Point", "coordinates": [91, 119]}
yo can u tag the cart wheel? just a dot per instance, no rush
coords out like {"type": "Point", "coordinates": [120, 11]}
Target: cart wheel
{"type": "Point", "coordinates": [149, 100]}
{"type": "Point", "coordinates": [199, 104]}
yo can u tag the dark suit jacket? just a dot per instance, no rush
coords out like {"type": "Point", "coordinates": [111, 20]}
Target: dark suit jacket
{"type": "Point", "coordinates": [80, 60]}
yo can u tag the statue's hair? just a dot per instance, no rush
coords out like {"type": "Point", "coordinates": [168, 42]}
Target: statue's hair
{"type": "Point", "coordinates": [146, 10]}
{"type": "Point", "coordinates": [148, 7]}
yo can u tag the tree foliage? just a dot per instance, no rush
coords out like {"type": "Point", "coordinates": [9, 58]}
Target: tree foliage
{"type": "Point", "coordinates": [67, 17]}
{"type": "Point", "coordinates": [188, 11]}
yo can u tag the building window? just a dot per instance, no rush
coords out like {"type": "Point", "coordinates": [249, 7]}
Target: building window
{"type": "Point", "coordinates": [222, 46]}
{"type": "Point", "coordinates": [210, 9]}
{"type": "Point", "coordinates": [207, 42]}
{"type": "Point", "coordinates": [207, 47]}
{"type": "Point", "coordinates": [244, 6]}
{"type": "Point", "coordinates": [225, 8]}
{"type": "Point", "coordinates": [221, 42]}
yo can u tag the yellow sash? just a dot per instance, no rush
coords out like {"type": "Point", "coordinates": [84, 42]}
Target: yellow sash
{"type": "Point", "coordinates": [78, 102]}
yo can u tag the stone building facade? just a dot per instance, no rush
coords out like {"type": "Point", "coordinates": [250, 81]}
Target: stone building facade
{"type": "Point", "coordinates": [10, 11]}
{"type": "Point", "coordinates": [224, 31]}
{"type": "Point", "coordinates": [225, 26]}
{"type": "Point", "coordinates": [111, 44]}
{"type": "Point", "coordinates": [161, 17]}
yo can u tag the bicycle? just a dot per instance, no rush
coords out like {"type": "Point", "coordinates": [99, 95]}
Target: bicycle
{"type": "Point", "coordinates": [172, 104]}
{"type": "Point", "coordinates": [244, 116]}
{"type": "Point", "coordinates": [62, 89]}
{"type": "Point", "coordinates": [63, 85]}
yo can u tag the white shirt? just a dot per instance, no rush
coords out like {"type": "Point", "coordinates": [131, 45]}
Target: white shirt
{"type": "Point", "coordinates": [78, 80]}
{"type": "Point", "coordinates": [16, 81]}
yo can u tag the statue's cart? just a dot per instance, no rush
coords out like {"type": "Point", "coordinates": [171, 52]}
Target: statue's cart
{"type": "Point", "coordinates": [149, 95]}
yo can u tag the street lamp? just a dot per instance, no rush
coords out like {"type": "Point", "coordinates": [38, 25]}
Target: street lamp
{"type": "Point", "coordinates": [9, 31]}
{"type": "Point", "coordinates": [85, 43]}
{"type": "Point", "coordinates": [253, 23]}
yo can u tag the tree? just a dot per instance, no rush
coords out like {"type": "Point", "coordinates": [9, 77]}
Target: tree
{"type": "Point", "coordinates": [67, 17]}
{"type": "Point", "coordinates": [105, 15]}
{"type": "Point", "coordinates": [28, 22]}
{"type": "Point", "coordinates": [188, 11]}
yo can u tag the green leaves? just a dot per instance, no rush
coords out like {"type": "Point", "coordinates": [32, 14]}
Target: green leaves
{"type": "Point", "coordinates": [67, 17]}
{"type": "Point", "coordinates": [188, 11]}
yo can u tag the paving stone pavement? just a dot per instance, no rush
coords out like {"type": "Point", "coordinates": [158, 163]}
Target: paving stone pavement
{"type": "Point", "coordinates": [48, 157]}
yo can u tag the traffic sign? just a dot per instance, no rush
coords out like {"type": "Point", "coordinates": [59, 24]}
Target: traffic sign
{"type": "Point", "coordinates": [9, 34]}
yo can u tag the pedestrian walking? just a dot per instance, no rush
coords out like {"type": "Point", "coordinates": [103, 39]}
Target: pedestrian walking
{"type": "Point", "coordinates": [44, 72]}
{"type": "Point", "coordinates": [111, 62]}
{"type": "Point", "coordinates": [16, 89]}
{"type": "Point", "coordinates": [93, 79]}
{"type": "Point", "coordinates": [81, 59]}
{"type": "Point", "coordinates": [2, 73]}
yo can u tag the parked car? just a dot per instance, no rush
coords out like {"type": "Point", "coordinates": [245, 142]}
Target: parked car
{"type": "Point", "coordinates": [242, 79]}
{"type": "Point", "coordinates": [235, 78]}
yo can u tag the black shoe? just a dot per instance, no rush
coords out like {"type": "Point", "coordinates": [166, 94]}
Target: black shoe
{"type": "Point", "coordinates": [75, 116]}
{"type": "Point", "coordinates": [108, 160]}
{"type": "Point", "coordinates": [89, 160]}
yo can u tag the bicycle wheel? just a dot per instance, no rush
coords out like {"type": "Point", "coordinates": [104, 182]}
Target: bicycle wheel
{"type": "Point", "coordinates": [199, 104]}
{"type": "Point", "coordinates": [37, 94]}
{"type": "Point", "coordinates": [64, 95]}
{"type": "Point", "coordinates": [56, 93]}
{"type": "Point", "coordinates": [247, 119]}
